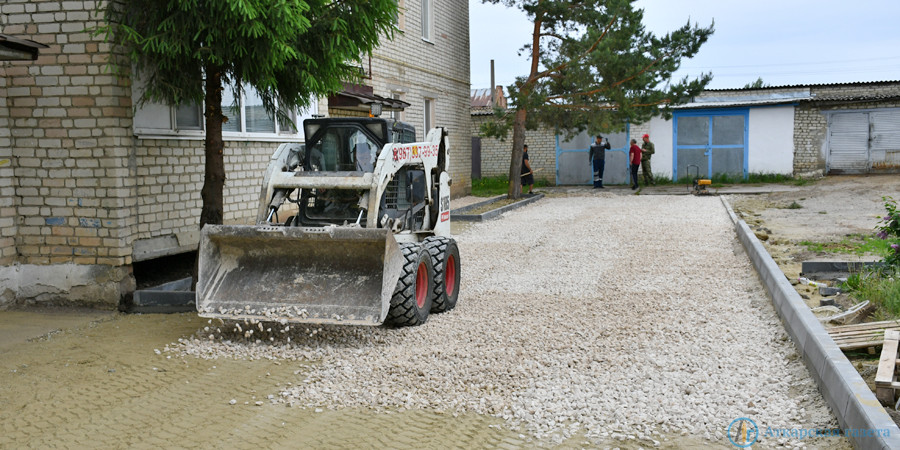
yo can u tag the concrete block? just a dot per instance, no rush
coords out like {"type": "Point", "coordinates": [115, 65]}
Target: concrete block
{"type": "Point", "coordinates": [827, 291]}
{"type": "Point", "coordinates": [831, 267]}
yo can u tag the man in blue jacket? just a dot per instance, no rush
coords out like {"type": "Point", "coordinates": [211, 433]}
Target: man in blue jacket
{"type": "Point", "coordinates": [597, 157]}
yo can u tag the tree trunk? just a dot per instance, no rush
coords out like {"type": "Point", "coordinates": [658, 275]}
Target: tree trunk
{"type": "Point", "coordinates": [213, 211]}
{"type": "Point", "coordinates": [515, 163]}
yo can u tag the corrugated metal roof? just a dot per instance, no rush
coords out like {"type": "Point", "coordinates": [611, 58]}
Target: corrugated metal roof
{"type": "Point", "coordinates": [854, 98]}
{"type": "Point", "coordinates": [482, 111]}
{"type": "Point", "coordinates": [734, 104]}
{"type": "Point", "coordinates": [481, 98]}
{"type": "Point", "coordinates": [855, 83]}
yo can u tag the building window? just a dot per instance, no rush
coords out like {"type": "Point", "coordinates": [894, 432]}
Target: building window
{"type": "Point", "coordinates": [247, 118]}
{"type": "Point", "coordinates": [231, 109]}
{"type": "Point", "coordinates": [250, 116]}
{"type": "Point", "coordinates": [429, 114]}
{"type": "Point", "coordinates": [188, 117]}
{"type": "Point", "coordinates": [398, 16]}
{"type": "Point", "coordinates": [427, 19]}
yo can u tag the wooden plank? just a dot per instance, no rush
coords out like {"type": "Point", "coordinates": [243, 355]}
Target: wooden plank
{"type": "Point", "coordinates": [860, 336]}
{"type": "Point", "coordinates": [884, 378]}
{"type": "Point", "coordinates": [850, 334]}
{"type": "Point", "coordinates": [867, 325]}
{"type": "Point", "coordinates": [864, 326]}
{"type": "Point", "coordinates": [885, 374]}
{"type": "Point", "coordinates": [865, 338]}
{"type": "Point", "coordinates": [862, 341]}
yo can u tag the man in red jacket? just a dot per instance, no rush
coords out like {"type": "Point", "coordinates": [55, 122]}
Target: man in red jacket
{"type": "Point", "coordinates": [634, 157]}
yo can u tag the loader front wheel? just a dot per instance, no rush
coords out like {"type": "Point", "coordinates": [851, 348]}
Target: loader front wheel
{"type": "Point", "coordinates": [412, 299]}
{"type": "Point", "coordinates": [445, 259]}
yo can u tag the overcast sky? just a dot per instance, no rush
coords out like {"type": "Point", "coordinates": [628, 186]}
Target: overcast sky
{"type": "Point", "coordinates": [784, 42]}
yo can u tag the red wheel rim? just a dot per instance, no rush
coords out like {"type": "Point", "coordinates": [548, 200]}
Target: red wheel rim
{"type": "Point", "coordinates": [450, 276]}
{"type": "Point", "coordinates": [421, 285]}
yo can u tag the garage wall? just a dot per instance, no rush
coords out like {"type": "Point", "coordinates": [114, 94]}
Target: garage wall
{"type": "Point", "coordinates": [661, 135]}
{"type": "Point", "coordinates": [771, 140]}
{"type": "Point", "coordinates": [495, 154]}
{"type": "Point", "coordinates": [811, 125]}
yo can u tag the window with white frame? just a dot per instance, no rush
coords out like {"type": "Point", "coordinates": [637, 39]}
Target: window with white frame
{"type": "Point", "coordinates": [247, 118]}
{"type": "Point", "coordinates": [429, 114]}
{"type": "Point", "coordinates": [399, 21]}
{"type": "Point", "coordinates": [188, 117]}
{"type": "Point", "coordinates": [427, 19]}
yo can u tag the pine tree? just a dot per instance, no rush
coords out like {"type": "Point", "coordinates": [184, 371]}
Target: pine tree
{"type": "Point", "coordinates": [593, 66]}
{"type": "Point", "coordinates": [288, 51]}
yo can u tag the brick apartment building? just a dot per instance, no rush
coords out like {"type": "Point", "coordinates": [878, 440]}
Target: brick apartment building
{"type": "Point", "coordinates": [90, 184]}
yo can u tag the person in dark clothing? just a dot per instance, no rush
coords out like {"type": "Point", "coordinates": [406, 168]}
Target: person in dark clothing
{"type": "Point", "coordinates": [527, 172]}
{"type": "Point", "coordinates": [597, 158]}
{"type": "Point", "coordinates": [634, 157]}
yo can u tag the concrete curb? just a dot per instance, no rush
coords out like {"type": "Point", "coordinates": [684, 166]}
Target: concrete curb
{"type": "Point", "coordinates": [460, 213]}
{"type": "Point", "coordinates": [848, 396]}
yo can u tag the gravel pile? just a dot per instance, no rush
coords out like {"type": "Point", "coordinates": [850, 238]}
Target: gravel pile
{"type": "Point", "coordinates": [618, 317]}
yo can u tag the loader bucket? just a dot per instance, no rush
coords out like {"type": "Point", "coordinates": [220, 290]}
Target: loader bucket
{"type": "Point", "coordinates": [301, 275]}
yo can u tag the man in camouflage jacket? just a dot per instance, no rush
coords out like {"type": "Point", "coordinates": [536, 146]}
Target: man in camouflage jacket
{"type": "Point", "coordinates": [647, 150]}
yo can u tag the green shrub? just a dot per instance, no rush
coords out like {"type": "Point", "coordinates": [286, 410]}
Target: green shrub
{"type": "Point", "coordinates": [881, 286]}
{"type": "Point", "coordinates": [889, 230]}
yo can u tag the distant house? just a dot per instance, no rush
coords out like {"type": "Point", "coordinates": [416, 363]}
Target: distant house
{"type": "Point", "coordinates": [92, 185]}
{"type": "Point", "coordinates": [491, 157]}
{"type": "Point", "coordinates": [799, 130]}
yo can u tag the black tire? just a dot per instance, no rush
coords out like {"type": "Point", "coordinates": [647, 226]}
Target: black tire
{"type": "Point", "coordinates": [445, 259]}
{"type": "Point", "coordinates": [411, 302]}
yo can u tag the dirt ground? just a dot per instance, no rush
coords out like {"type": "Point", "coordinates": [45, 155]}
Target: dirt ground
{"type": "Point", "coordinates": [830, 210]}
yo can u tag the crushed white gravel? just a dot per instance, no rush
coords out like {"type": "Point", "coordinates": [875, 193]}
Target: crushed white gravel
{"type": "Point", "coordinates": [614, 317]}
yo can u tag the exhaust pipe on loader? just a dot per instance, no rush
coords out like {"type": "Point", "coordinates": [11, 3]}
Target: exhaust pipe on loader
{"type": "Point", "coordinates": [333, 275]}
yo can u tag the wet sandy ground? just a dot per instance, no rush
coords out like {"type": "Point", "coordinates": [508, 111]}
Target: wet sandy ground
{"type": "Point", "coordinates": [100, 384]}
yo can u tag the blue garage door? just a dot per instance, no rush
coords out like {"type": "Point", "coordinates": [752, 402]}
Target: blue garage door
{"type": "Point", "coordinates": [573, 166]}
{"type": "Point", "coordinates": [714, 141]}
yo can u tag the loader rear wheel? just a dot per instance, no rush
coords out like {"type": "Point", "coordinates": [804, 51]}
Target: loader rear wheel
{"type": "Point", "coordinates": [445, 259]}
{"type": "Point", "coordinates": [412, 297]}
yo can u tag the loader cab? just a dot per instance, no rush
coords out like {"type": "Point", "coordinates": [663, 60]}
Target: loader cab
{"type": "Point", "coordinates": [344, 147]}
{"type": "Point", "coordinates": [350, 144]}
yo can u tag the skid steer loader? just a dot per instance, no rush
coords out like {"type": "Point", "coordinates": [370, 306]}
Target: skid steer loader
{"type": "Point", "coordinates": [353, 227]}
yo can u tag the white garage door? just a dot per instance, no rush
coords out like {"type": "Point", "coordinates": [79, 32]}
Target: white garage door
{"type": "Point", "coordinates": [885, 148]}
{"type": "Point", "coordinates": [860, 142]}
{"type": "Point", "coordinates": [848, 139]}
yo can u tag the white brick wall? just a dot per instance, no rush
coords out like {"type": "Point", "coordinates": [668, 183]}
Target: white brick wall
{"type": "Point", "coordinates": [79, 188]}
{"type": "Point", "coordinates": [496, 154]}
{"type": "Point", "coordinates": [437, 70]}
